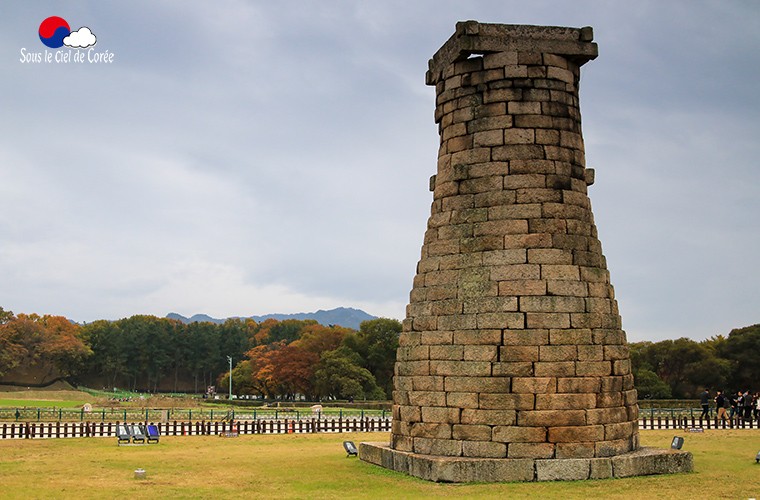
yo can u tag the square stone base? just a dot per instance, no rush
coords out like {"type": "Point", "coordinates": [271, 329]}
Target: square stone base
{"type": "Point", "coordinates": [642, 462]}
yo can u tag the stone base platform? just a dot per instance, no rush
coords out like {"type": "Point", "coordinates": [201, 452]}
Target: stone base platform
{"type": "Point", "coordinates": [642, 462]}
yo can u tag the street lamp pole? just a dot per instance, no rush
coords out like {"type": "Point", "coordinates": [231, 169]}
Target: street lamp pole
{"type": "Point", "coordinates": [229, 358]}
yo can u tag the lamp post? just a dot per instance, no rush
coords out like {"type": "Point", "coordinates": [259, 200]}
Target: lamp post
{"type": "Point", "coordinates": [229, 358]}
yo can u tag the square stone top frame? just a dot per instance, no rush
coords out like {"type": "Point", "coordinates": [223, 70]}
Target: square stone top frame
{"type": "Point", "coordinates": [472, 37]}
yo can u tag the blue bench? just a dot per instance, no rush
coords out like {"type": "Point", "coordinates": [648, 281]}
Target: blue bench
{"type": "Point", "coordinates": [152, 433]}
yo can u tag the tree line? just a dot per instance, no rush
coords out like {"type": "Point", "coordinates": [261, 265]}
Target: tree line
{"type": "Point", "coordinates": [682, 368]}
{"type": "Point", "coordinates": [272, 359]}
{"type": "Point", "coordinates": [282, 359]}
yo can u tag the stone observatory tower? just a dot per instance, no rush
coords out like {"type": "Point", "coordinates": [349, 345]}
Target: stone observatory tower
{"type": "Point", "coordinates": [512, 363]}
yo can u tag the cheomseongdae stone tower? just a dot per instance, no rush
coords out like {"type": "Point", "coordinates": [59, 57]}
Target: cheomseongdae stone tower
{"type": "Point", "coordinates": [512, 347]}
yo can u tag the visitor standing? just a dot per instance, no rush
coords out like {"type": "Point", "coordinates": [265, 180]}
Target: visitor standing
{"type": "Point", "coordinates": [747, 404]}
{"type": "Point", "coordinates": [734, 399]}
{"type": "Point", "coordinates": [720, 406]}
{"type": "Point", "coordinates": [704, 400]}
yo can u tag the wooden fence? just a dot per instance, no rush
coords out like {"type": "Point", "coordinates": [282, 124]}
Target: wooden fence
{"type": "Point", "coordinates": [38, 430]}
{"type": "Point", "coordinates": [695, 423]}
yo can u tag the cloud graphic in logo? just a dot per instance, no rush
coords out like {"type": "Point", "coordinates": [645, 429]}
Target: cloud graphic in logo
{"type": "Point", "coordinates": [80, 38]}
{"type": "Point", "coordinates": [53, 30]}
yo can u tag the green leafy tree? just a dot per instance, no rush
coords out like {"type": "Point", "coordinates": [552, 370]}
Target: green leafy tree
{"type": "Point", "coordinates": [340, 375]}
{"type": "Point", "coordinates": [110, 359]}
{"type": "Point", "coordinates": [376, 343]}
{"type": "Point", "coordinates": [242, 378]}
{"type": "Point", "coordinates": [684, 365]}
{"type": "Point", "coordinates": [235, 338]}
{"type": "Point", "coordinates": [380, 336]}
{"type": "Point", "coordinates": [206, 360]}
{"type": "Point", "coordinates": [742, 350]}
{"type": "Point", "coordinates": [650, 386]}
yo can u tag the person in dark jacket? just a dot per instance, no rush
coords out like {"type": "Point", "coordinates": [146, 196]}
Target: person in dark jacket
{"type": "Point", "coordinates": [720, 406]}
{"type": "Point", "coordinates": [747, 406]}
{"type": "Point", "coordinates": [704, 400]}
{"type": "Point", "coordinates": [735, 409]}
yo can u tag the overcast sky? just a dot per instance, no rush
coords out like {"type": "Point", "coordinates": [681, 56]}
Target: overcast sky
{"type": "Point", "coordinates": [252, 157]}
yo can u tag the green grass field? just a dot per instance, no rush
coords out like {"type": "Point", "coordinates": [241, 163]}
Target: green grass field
{"type": "Point", "coordinates": [40, 399]}
{"type": "Point", "coordinates": [38, 403]}
{"type": "Point", "coordinates": [315, 466]}
{"type": "Point", "coordinates": [52, 406]}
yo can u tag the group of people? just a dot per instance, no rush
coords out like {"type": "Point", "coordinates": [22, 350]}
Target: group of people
{"type": "Point", "coordinates": [738, 405]}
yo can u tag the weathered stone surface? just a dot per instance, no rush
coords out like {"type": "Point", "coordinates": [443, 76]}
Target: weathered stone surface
{"type": "Point", "coordinates": [563, 470]}
{"type": "Point", "coordinates": [530, 450]}
{"type": "Point", "coordinates": [507, 401]}
{"type": "Point", "coordinates": [437, 446]}
{"type": "Point", "coordinates": [644, 461]}
{"type": "Point", "coordinates": [574, 449]}
{"type": "Point", "coordinates": [512, 349]}
{"type": "Point", "coordinates": [514, 434]}
{"type": "Point", "coordinates": [472, 432]}
{"type": "Point", "coordinates": [601, 468]}
{"type": "Point", "coordinates": [484, 449]}
{"type": "Point", "coordinates": [647, 461]}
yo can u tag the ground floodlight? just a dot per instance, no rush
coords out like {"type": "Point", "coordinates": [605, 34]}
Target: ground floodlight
{"type": "Point", "coordinates": [677, 442]}
{"type": "Point", "coordinates": [350, 448]}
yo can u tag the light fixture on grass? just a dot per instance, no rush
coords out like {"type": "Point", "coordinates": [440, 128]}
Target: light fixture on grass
{"type": "Point", "coordinates": [350, 448]}
{"type": "Point", "coordinates": [677, 443]}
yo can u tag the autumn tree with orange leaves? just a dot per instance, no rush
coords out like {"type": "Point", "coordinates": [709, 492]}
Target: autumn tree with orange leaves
{"type": "Point", "coordinates": [52, 343]}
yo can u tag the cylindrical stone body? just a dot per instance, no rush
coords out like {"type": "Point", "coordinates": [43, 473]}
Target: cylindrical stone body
{"type": "Point", "coordinates": [512, 346]}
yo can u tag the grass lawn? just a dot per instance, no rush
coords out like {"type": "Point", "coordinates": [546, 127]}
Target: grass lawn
{"type": "Point", "coordinates": [45, 399]}
{"type": "Point", "coordinates": [38, 403]}
{"type": "Point", "coordinates": [315, 466]}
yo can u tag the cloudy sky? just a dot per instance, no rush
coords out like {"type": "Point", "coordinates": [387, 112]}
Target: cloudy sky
{"type": "Point", "coordinates": [252, 157]}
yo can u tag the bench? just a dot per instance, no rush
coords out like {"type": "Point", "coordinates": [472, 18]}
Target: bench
{"type": "Point", "coordinates": [124, 433]}
{"type": "Point", "coordinates": [152, 433]}
{"type": "Point", "coordinates": [138, 434]}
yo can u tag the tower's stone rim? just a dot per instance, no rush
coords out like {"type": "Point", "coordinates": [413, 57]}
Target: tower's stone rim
{"type": "Point", "coordinates": [642, 462]}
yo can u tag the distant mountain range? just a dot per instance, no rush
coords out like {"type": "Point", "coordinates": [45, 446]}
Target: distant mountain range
{"type": "Point", "coordinates": [341, 316]}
